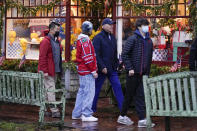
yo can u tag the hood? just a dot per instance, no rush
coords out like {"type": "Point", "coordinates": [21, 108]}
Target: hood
{"type": "Point", "coordinates": [137, 32]}
{"type": "Point", "coordinates": [82, 36]}
{"type": "Point", "coordinates": [45, 32]}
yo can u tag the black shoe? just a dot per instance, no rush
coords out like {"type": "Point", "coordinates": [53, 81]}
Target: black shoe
{"type": "Point", "coordinates": [56, 114]}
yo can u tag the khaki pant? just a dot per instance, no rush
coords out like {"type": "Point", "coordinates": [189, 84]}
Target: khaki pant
{"type": "Point", "coordinates": [49, 83]}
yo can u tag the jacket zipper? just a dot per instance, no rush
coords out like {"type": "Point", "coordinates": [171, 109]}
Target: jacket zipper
{"type": "Point", "coordinates": [142, 59]}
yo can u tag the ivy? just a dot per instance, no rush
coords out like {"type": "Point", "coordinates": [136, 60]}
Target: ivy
{"type": "Point", "coordinates": [193, 18]}
{"type": "Point", "coordinates": [140, 8]}
{"type": "Point", "coordinates": [98, 7]}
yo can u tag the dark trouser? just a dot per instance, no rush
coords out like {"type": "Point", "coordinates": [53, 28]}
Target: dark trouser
{"type": "Point", "coordinates": [116, 87]}
{"type": "Point", "coordinates": [134, 89]}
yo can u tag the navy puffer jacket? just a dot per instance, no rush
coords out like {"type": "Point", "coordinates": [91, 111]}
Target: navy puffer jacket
{"type": "Point", "coordinates": [137, 53]}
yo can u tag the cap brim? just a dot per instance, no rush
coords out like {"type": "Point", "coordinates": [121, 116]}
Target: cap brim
{"type": "Point", "coordinates": [113, 22]}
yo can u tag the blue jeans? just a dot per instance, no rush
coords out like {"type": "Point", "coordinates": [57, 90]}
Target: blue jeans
{"type": "Point", "coordinates": [116, 86]}
{"type": "Point", "coordinates": [85, 96]}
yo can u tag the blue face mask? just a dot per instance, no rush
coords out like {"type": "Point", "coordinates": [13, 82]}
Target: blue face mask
{"type": "Point", "coordinates": [145, 28]}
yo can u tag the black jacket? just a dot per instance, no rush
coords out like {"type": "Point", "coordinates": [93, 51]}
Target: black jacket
{"type": "Point", "coordinates": [136, 55]}
{"type": "Point", "coordinates": [193, 56]}
{"type": "Point", "coordinates": [106, 51]}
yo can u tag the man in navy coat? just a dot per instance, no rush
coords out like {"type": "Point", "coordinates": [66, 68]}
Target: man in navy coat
{"type": "Point", "coordinates": [106, 55]}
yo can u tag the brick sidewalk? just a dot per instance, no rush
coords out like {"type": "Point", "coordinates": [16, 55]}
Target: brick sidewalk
{"type": "Point", "coordinates": [106, 113]}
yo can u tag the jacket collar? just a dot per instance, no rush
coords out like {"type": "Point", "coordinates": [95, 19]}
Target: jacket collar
{"type": "Point", "coordinates": [105, 32]}
{"type": "Point", "coordinates": [137, 32]}
{"type": "Point", "coordinates": [83, 36]}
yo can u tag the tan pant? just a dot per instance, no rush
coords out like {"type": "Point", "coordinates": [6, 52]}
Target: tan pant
{"type": "Point", "coordinates": [49, 83]}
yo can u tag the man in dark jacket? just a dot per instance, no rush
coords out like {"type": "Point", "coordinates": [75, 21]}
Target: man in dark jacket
{"type": "Point", "coordinates": [193, 56]}
{"type": "Point", "coordinates": [137, 57]}
{"type": "Point", "coordinates": [50, 62]}
{"type": "Point", "coordinates": [106, 55]}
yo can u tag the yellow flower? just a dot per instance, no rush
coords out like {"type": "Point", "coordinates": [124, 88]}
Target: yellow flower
{"type": "Point", "coordinates": [12, 36]}
{"type": "Point", "coordinates": [63, 43]}
{"type": "Point", "coordinates": [64, 27]}
{"type": "Point", "coordinates": [78, 31]}
{"type": "Point", "coordinates": [73, 55]}
{"type": "Point", "coordinates": [73, 38]}
{"type": "Point", "coordinates": [35, 37]}
{"type": "Point", "coordinates": [23, 43]}
{"type": "Point", "coordinates": [94, 34]}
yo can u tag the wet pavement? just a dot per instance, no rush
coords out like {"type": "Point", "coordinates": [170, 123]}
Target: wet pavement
{"type": "Point", "coordinates": [106, 113]}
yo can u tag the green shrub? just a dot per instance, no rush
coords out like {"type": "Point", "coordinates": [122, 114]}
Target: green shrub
{"type": "Point", "coordinates": [159, 70]}
{"type": "Point", "coordinates": [28, 66]}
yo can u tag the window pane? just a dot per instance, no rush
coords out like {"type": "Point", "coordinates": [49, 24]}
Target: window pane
{"type": "Point", "coordinates": [32, 3]}
{"type": "Point", "coordinates": [26, 2]}
{"type": "Point", "coordinates": [23, 29]}
{"type": "Point", "coordinates": [181, 10]}
{"type": "Point", "coordinates": [56, 11]}
{"type": "Point", "coordinates": [38, 2]}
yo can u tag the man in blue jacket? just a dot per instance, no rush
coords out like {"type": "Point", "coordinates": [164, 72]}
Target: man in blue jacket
{"type": "Point", "coordinates": [137, 57]}
{"type": "Point", "coordinates": [106, 55]}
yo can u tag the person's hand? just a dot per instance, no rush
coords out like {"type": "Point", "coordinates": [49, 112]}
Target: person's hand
{"type": "Point", "coordinates": [131, 72]}
{"type": "Point", "coordinates": [104, 70]}
{"type": "Point", "coordinates": [95, 75]}
{"type": "Point", "coordinates": [46, 74]}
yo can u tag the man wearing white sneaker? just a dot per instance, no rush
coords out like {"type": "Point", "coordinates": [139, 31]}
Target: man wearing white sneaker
{"type": "Point", "coordinates": [86, 62]}
{"type": "Point", "coordinates": [137, 57]}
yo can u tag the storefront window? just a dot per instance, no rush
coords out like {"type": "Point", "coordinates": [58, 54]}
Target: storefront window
{"type": "Point", "coordinates": [164, 29]}
{"type": "Point", "coordinates": [31, 29]}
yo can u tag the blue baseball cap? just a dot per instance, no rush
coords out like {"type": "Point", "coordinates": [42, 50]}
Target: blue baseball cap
{"type": "Point", "coordinates": [108, 21]}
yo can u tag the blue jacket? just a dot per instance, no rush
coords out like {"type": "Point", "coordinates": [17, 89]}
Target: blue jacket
{"type": "Point", "coordinates": [106, 51]}
{"type": "Point", "coordinates": [137, 53]}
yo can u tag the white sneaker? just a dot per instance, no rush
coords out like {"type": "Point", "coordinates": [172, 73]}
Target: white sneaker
{"type": "Point", "coordinates": [90, 118]}
{"type": "Point", "coordinates": [143, 123]}
{"type": "Point", "coordinates": [76, 118]}
{"type": "Point", "coordinates": [125, 120]}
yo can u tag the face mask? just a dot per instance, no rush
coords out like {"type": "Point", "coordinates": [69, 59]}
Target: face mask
{"type": "Point", "coordinates": [145, 29]}
{"type": "Point", "coordinates": [56, 34]}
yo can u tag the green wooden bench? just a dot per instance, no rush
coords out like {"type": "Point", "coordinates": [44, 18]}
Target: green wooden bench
{"type": "Point", "coordinates": [171, 95]}
{"type": "Point", "coordinates": [28, 88]}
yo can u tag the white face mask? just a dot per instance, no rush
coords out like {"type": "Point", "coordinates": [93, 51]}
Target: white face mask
{"type": "Point", "coordinates": [145, 29]}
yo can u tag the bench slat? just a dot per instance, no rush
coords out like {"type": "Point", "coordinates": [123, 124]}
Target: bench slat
{"type": "Point", "coordinates": [4, 86]}
{"type": "Point", "coordinates": [27, 88]}
{"type": "Point", "coordinates": [32, 89]}
{"type": "Point", "coordinates": [22, 87]}
{"type": "Point", "coordinates": [193, 93]}
{"type": "Point", "coordinates": [8, 86]}
{"type": "Point", "coordinates": [18, 87]}
{"type": "Point", "coordinates": [37, 90]}
{"type": "Point", "coordinates": [166, 95]}
{"type": "Point", "coordinates": [13, 87]}
{"type": "Point", "coordinates": [1, 86]}
{"type": "Point", "coordinates": [160, 96]}
{"type": "Point", "coordinates": [153, 96]}
{"type": "Point", "coordinates": [173, 97]}
{"type": "Point", "coordinates": [179, 91]}
{"type": "Point", "coordinates": [186, 92]}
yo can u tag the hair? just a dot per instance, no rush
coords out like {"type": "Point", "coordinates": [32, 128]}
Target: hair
{"type": "Point", "coordinates": [52, 25]}
{"type": "Point", "coordinates": [140, 22]}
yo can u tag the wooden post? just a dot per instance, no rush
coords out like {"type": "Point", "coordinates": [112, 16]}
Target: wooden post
{"type": "Point", "coordinates": [68, 33]}
{"type": "Point", "coordinates": [167, 123]}
{"type": "Point", "coordinates": [114, 15]}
